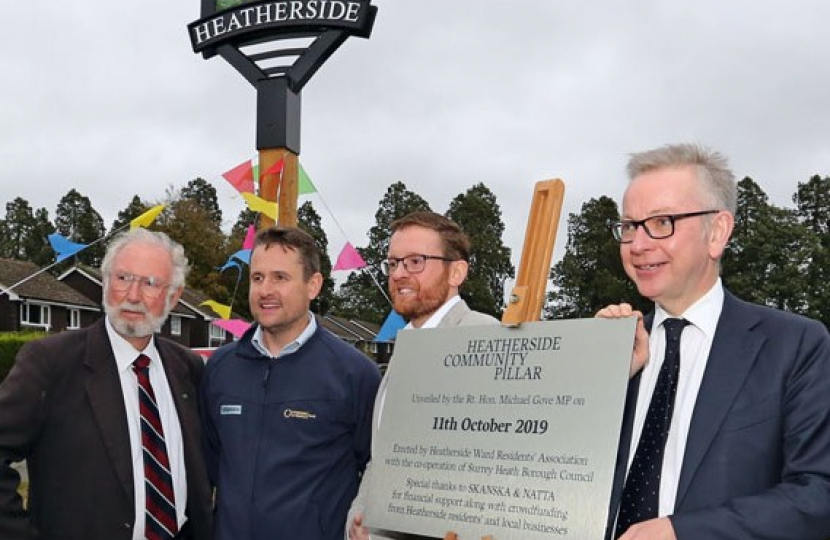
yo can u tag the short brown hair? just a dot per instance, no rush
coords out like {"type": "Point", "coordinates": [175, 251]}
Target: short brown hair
{"type": "Point", "coordinates": [295, 239]}
{"type": "Point", "coordinates": [456, 243]}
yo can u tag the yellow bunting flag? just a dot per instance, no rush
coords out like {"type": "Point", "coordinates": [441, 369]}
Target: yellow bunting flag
{"type": "Point", "coordinates": [221, 309]}
{"type": "Point", "coordinates": [147, 218]}
{"type": "Point", "coordinates": [258, 204]}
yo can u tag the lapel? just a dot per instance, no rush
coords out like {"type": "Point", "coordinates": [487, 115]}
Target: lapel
{"type": "Point", "coordinates": [734, 351]}
{"type": "Point", "coordinates": [454, 315]}
{"type": "Point", "coordinates": [103, 389]}
{"type": "Point", "coordinates": [181, 387]}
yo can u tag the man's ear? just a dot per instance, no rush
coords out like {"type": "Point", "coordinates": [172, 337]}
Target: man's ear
{"type": "Point", "coordinates": [458, 272]}
{"type": "Point", "coordinates": [720, 232]}
{"type": "Point", "coordinates": [314, 284]}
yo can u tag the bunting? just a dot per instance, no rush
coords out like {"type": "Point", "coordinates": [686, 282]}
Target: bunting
{"type": "Point", "coordinates": [258, 204]}
{"type": "Point", "coordinates": [349, 259]}
{"type": "Point", "coordinates": [220, 309]}
{"type": "Point", "coordinates": [147, 218]}
{"type": "Point", "coordinates": [64, 248]}
{"type": "Point", "coordinates": [389, 330]}
{"type": "Point", "coordinates": [250, 236]}
{"type": "Point", "coordinates": [241, 177]}
{"type": "Point", "coordinates": [305, 186]}
{"type": "Point", "coordinates": [236, 327]}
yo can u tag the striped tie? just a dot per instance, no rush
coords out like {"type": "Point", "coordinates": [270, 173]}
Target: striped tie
{"type": "Point", "coordinates": [160, 503]}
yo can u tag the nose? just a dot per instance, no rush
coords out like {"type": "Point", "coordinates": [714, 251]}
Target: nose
{"type": "Point", "coordinates": [641, 240]}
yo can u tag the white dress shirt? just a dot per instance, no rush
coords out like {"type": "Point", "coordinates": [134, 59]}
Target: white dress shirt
{"type": "Point", "coordinates": [125, 355]}
{"type": "Point", "coordinates": [695, 344]}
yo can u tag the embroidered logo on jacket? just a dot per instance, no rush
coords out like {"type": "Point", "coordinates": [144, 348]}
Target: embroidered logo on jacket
{"type": "Point", "coordinates": [302, 415]}
{"type": "Point", "coordinates": [230, 409]}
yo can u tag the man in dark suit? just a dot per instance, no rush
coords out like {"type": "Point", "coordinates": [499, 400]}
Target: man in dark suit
{"type": "Point", "coordinates": [71, 408]}
{"type": "Point", "coordinates": [744, 452]}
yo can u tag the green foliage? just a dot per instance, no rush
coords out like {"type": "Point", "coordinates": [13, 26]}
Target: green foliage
{"type": "Point", "coordinates": [132, 211]}
{"type": "Point", "coordinates": [590, 275]}
{"type": "Point", "coordinates": [23, 233]}
{"type": "Point", "coordinates": [10, 344]}
{"type": "Point", "coordinates": [77, 220]}
{"type": "Point", "coordinates": [309, 220]}
{"type": "Point", "coordinates": [363, 295]}
{"type": "Point", "coordinates": [478, 213]}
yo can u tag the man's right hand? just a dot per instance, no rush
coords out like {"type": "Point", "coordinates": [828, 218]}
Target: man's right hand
{"type": "Point", "coordinates": [639, 357]}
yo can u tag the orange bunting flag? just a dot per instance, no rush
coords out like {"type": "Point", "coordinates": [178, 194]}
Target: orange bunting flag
{"type": "Point", "coordinates": [241, 177]}
{"type": "Point", "coordinates": [258, 204]}
{"type": "Point", "coordinates": [147, 218]}
{"type": "Point", "coordinates": [221, 309]}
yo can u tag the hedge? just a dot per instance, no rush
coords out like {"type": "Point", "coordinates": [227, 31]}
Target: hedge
{"type": "Point", "coordinates": [10, 343]}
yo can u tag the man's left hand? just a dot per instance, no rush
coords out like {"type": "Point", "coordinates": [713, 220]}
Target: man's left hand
{"type": "Point", "coordinates": [653, 529]}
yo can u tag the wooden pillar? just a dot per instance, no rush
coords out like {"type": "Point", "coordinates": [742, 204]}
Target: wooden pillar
{"type": "Point", "coordinates": [284, 192]}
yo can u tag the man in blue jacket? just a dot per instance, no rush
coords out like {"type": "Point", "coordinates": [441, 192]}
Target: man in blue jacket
{"type": "Point", "coordinates": [288, 408]}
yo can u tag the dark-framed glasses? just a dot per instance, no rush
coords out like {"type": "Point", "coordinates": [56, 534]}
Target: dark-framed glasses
{"type": "Point", "coordinates": [414, 264]}
{"type": "Point", "coordinates": [151, 287]}
{"type": "Point", "coordinates": [657, 227]}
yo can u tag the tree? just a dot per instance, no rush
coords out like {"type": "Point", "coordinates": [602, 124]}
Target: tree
{"type": "Point", "coordinates": [363, 295]}
{"type": "Point", "coordinates": [207, 249]}
{"type": "Point", "coordinates": [24, 233]}
{"type": "Point", "coordinates": [813, 202]}
{"type": "Point", "coordinates": [477, 212]}
{"type": "Point", "coordinates": [769, 254]}
{"type": "Point", "coordinates": [590, 274]}
{"type": "Point", "coordinates": [309, 220]}
{"type": "Point", "coordinates": [78, 221]}
{"type": "Point", "coordinates": [203, 194]}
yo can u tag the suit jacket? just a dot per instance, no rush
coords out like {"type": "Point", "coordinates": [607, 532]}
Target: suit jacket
{"type": "Point", "coordinates": [61, 409]}
{"type": "Point", "coordinates": [459, 315]}
{"type": "Point", "coordinates": [757, 459]}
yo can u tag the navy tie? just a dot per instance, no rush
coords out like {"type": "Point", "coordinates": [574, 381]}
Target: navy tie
{"type": "Point", "coordinates": [160, 514]}
{"type": "Point", "coordinates": [641, 494]}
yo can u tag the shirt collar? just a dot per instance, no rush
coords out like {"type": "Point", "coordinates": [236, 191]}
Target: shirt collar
{"type": "Point", "coordinates": [703, 314]}
{"type": "Point", "coordinates": [125, 354]}
{"type": "Point", "coordinates": [259, 343]}
{"type": "Point", "coordinates": [436, 317]}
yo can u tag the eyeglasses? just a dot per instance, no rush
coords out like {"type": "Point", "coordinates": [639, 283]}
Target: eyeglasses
{"type": "Point", "coordinates": [657, 227]}
{"type": "Point", "coordinates": [150, 287]}
{"type": "Point", "coordinates": [414, 264]}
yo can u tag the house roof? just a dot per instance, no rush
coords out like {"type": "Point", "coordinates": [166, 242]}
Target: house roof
{"type": "Point", "coordinates": [40, 285]}
{"type": "Point", "coordinates": [349, 329]}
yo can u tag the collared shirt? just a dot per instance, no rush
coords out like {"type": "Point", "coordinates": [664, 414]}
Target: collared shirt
{"type": "Point", "coordinates": [258, 339]}
{"type": "Point", "coordinates": [125, 355]}
{"type": "Point", "coordinates": [695, 344]}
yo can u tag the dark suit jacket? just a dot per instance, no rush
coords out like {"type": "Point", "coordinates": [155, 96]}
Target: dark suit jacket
{"type": "Point", "coordinates": [757, 461]}
{"type": "Point", "coordinates": [62, 410]}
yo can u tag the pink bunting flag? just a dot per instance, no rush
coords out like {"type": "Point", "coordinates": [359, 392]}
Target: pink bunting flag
{"type": "Point", "coordinates": [236, 327]}
{"type": "Point", "coordinates": [349, 259]}
{"type": "Point", "coordinates": [241, 177]}
{"type": "Point", "coordinates": [249, 238]}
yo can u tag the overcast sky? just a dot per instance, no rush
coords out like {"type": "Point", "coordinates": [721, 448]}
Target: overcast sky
{"type": "Point", "coordinates": [108, 98]}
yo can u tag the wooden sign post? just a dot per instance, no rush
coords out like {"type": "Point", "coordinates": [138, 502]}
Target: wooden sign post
{"type": "Point", "coordinates": [528, 295]}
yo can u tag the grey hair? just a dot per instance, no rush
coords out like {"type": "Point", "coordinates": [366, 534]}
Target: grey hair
{"type": "Point", "coordinates": [712, 171]}
{"type": "Point", "coordinates": [156, 238]}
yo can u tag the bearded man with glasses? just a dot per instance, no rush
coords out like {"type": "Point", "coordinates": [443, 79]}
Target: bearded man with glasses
{"type": "Point", "coordinates": [726, 430]}
{"type": "Point", "coordinates": [427, 263]}
{"type": "Point", "coordinates": [82, 406]}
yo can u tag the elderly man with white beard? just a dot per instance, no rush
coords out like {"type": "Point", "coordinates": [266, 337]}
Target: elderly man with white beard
{"type": "Point", "coordinates": [107, 417]}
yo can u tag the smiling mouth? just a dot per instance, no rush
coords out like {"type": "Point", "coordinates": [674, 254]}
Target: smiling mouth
{"type": "Point", "coordinates": [648, 267]}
